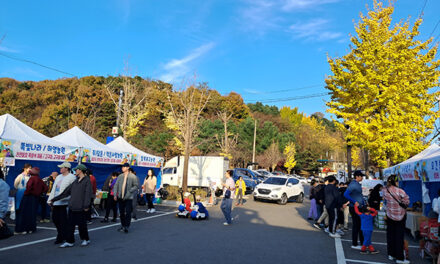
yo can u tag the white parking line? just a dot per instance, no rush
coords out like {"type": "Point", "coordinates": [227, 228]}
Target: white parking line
{"type": "Point", "coordinates": [378, 243]}
{"type": "Point", "coordinates": [90, 230]}
{"type": "Point", "coordinates": [363, 261]}
{"type": "Point", "coordinates": [339, 251]}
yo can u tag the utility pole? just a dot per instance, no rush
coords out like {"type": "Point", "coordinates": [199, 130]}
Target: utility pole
{"type": "Point", "coordinates": [121, 93]}
{"type": "Point", "coordinates": [255, 139]}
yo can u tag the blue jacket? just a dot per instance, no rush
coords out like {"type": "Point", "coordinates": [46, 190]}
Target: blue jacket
{"type": "Point", "coordinates": [202, 209]}
{"type": "Point", "coordinates": [354, 193]}
{"type": "Point", "coordinates": [4, 198]}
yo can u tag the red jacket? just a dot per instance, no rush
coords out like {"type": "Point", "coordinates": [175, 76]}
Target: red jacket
{"type": "Point", "coordinates": [187, 202]}
{"type": "Point", "coordinates": [35, 186]}
{"type": "Point", "coordinates": [93, 181]}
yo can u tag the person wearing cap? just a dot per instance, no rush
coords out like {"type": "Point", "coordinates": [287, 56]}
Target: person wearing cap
{"type": "Point", "coordinates": [126, 186]}
{"type": "Point", "coordinates": [59, 208]}
{"type": "Point", "coordinates": [34, 188]}
{"type": "Point", "coordinates": [354, 195]}
{"type": "Point", "coordinates": [80, 192]}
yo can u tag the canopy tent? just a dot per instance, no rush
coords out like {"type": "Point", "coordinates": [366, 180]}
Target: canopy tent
{"type": "Point", "coordinates": [139, 158]}
{"type": "Point", "coordinates": [419, 176]}
{"type": "Point", "coordinates": [21, 144]}
{"type": "Point", "coordinates": [100, 158]}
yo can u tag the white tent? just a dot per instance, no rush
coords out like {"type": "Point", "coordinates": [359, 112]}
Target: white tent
{"type": "Point", "coordinates": [412, 168]}
{"type": "Point", "coordinates": [22, 142]}
{"type": "Point", "coordinates": [92, 150]}
{"type": "Point", "coordinates": [143, 159]}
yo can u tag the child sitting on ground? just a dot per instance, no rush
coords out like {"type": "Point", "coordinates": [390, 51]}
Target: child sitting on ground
{"type": "Point", "coordinates": [367, 215]}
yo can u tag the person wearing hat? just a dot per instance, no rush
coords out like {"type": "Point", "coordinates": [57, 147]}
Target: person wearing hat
{"type": "Point", "coordinates": [59, 208]}
{"type": "Point", "coordinates": [126, 186]}
{"type": "Point", "coordinates": [34, 188]}
{"type": "Point", "coordinates": [354, 195]}
{"type": "Point", "coordinates": [80, 192]}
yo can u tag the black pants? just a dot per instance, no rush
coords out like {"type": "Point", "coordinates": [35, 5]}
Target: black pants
{"type": "Point", "coordinates": [395, 236]}
{"type": "Point", "coordinates": [150, 197]}
{"type": "Point", "coordinates": [27, 220]}
{"type": "Point", "coordinates": [125, 209]}
{"type": "Point", "coordinates": [43, 205]}
{"type": "Point", "coordinates": [59, 218]}
{"type": "Point", "coordinates": [332, 217]}
{"type": "Point", "coordinates": [356, 232]}
{"type": "Point", "coordinates": [110, 204]}
{"type": "Point", "coordinates": [77, 218]}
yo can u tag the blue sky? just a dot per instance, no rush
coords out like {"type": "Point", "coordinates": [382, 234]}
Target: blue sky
{"type": "Point", "coordinates": [261, 49]}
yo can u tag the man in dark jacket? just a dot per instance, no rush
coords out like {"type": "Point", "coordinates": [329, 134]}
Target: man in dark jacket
{"type": "Point", "coordinates": [80, 192]}
{"type": "Point", "coordinates": [332, 204]}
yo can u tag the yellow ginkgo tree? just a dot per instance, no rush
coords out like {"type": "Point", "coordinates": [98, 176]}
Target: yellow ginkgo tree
{"type": "Point", "coordinates": [289, 152]}
{"type": "Point", "coordinates": [382, 89]}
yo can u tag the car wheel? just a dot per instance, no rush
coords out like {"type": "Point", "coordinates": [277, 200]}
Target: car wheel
{"type": "Point", "coordinates": [256, 199]}
{"type": "Point", "coordinates": [283, 199]}
{"type": "Point", "coordinates": [300, 198]}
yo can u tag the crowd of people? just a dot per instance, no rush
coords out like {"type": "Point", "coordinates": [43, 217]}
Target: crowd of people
{"type": "Point", "coordinates": [332, 202]}
{"type": "Point", "coordinates": [68, 196]}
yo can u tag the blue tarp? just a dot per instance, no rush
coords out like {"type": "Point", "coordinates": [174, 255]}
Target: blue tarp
{"type": "Point", "coordinates": [413, 189]}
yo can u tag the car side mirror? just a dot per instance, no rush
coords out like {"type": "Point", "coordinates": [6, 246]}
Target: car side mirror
{"type": "Point", "coordinates": [289, 184]}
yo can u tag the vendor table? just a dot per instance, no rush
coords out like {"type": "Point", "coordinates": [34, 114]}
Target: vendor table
{"type": "Point", "coordinates": [413, 222]}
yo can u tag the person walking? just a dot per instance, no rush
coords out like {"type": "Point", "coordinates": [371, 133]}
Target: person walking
{"type": "Point", "coordinates": [228, 197]}
{"type": "Point", "coordinates": [149, 188]}
{"type": "Point", "coordinates": [240, 190]}
{"type": "Point", "coordinates": [124, 189]}
{"type": "Point", "coordinates": [345, 206]}
{"type": "Point", "coordinates": [59, 208]}
{"type": "Point", "coordinates": [110, 203]}
{"type": "Point", "coordinates": [80, 192]}
{"type": "Point", "coordinates": [29, 205]}
{"type": "Point", "coordinates": [20, 185]}
{"type": "Point", "coordinates": [396, 202]}
{"type": "Point", "coordinates": [354, 195]}
{"type": "Point", "coordinates": [323, 217]}
{"type": "Point", "coordinates": [313, 212]}
{"type": "Point", "coordinates": [332, 205]}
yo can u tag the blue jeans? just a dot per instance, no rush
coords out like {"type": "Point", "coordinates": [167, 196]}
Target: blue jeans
{"type": "Point", "coordinates": [367, 237]}
{"type": "Point", "coordinates": [226, 207]}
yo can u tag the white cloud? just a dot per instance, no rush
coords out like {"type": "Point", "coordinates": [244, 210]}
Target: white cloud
{"type": "Point", "coordinates": [177, 68]}
{"type": "Point", "coordinates": [6, 49]}
{"type": "Point", "coordinates": [291, 5]}
{"type": "Point", "coordinates": [252, 91]}
{"type": "Point", "coordinates": [314, 30]}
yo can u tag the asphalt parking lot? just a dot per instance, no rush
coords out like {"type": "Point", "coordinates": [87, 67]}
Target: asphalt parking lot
{"type": "Point", "coordinates": [261, 232]}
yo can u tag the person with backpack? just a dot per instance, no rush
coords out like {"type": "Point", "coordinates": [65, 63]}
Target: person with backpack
{"type": "Point", "coordinates": [110, 203]}
{"type": "Point", "coordinates": [354, 195]}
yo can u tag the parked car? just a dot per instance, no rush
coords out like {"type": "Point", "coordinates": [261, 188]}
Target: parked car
{"type": "Point", "coordinates": [280, 189]}
{"type": "Point", "coordinates": [265, 173]}
{"type": "Point", "coordinates": [310, 178]}
{"type": "Point", "coordinates": [249, 177]}
{"type": "Point", "coordinates": [277, 173]}
{"type": "Point", "coordinates": [260, 177]}
{"type": "Point", "coordinates": [302, 180]}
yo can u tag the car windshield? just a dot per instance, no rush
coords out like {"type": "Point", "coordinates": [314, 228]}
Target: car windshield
{"type": "Point", "coordinates": [168, 170]}
{"type": "Point", "coordinates": [275, 181]}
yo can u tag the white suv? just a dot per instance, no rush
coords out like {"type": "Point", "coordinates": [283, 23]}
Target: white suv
{"type": "Point", "coordinates": [280, 189]}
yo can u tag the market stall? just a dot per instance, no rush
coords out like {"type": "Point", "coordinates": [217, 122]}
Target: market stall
{"type": "Point", "coordinates": [20, 144]}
